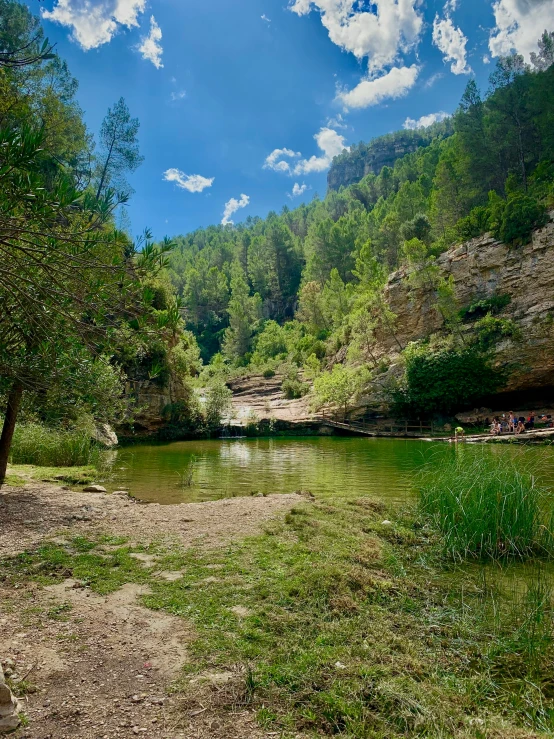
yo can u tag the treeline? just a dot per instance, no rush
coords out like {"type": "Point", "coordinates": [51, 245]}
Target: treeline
{"type": "Point", "coordinates": [83, 308]}
{"type": "Point", "coordinates": [304, 287]}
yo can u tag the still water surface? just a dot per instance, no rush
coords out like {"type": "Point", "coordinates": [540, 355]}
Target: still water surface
{"type": "Point", "coordinates": [326, 466]}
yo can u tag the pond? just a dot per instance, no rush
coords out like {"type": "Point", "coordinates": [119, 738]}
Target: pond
{"type": "Point", "coordinates": [325, 466]}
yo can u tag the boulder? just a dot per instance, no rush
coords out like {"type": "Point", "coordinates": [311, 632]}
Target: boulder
{"type": "Point", "coordinates": [10, 707]}
{"type": "Point", "coordinates": [94, 488]}
{"type": "Point", "coordinates": [105, 435]}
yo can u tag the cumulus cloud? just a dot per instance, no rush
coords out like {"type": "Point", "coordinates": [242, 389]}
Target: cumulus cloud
{"type": "Point", "coordinates": [331, 144]}
{"type": "Point", "coordinates": [150, 46]}
{"type": "Point", "coordinates": [231, 206]}
{"type": "Point", "coordinates": [452, 42]}
{"type": "Point", "coordinates": [378, 30]}
{"type": "Point", "coordinates": [394, 84]}
{"type": "Point", "coordinates": [425, 120]}
{"type": "Point", "coordinates": [298, 190]}
{"type": "Point", "coordinates": [190, 182]}
{"type": "Point", "coordinates": [276, 160]}
{"type": "Point", "coordinates": [94, 24]}
{"type": "Point", "coordinates": [519, 24]}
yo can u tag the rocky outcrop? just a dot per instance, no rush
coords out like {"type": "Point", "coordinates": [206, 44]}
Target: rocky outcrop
{"type": "Point", "coordinates": [151, 401]}
{"type": "Point", "coordinates": [10, 707]}
{"type": "Point", "coordinates": [257, 398]}
{"type": "Point", "coordinates": [355, 163]}
{"type": "Point", "coordinates": [481, 269]}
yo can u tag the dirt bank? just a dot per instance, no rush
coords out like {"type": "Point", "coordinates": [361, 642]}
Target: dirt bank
{"type": "Point", "coordinates": [95, 666]}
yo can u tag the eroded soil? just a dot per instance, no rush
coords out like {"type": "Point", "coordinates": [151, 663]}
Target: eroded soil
{"type": "Point", "coordinates": [102, 667]}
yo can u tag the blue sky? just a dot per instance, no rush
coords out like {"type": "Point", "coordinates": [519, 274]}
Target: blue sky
{"type": "Point", "coordinates": [243, 103]}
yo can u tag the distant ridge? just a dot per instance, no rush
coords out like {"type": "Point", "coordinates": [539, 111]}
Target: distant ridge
{"type": "Point", "coordinates": [362, 159]}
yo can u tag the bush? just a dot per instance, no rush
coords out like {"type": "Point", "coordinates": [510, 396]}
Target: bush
{"type": "Point", "coordinates": [293, 389]}
{"type": "Point", "coordinates": [474, 224]}
{"type": "Point", "coordinates": [36, 444]}
{"type": "Point", "coordinates": [268, 373]}
{"type": "Point", "coordinates": [444, 380]}
{"type": "Point", "coordinates": [485, 509]}
{"type": "Point", "coordinates": [495, 304]}
{"type": "Point", "coordinates": [521, 215]}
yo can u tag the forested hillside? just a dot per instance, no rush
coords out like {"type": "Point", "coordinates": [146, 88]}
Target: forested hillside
{"type": "Point", "coordinates": [304, 288]}
{"type": "Point", "coordinates": [362, 159]}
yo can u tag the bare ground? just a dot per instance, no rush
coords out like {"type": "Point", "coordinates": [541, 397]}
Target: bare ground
{"type": "Point", "coordinates": [105, 670]}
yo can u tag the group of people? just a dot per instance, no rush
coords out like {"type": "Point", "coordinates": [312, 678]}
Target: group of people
{"type": "Point", "coordinates": [517, 425]}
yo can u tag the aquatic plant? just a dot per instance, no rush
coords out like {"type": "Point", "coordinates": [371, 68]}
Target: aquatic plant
{"type": "Point", "coordinates": [186, 477]}
{"type": "Point", "coordinates": [485, 508]}
{"type": "Point", "coordinates": [36, 444]}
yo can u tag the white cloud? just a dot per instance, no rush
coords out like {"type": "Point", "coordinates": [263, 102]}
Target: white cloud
{"type": "Point", "coordinates": [276, 162]}
{"type": "Point", "coordinates": [265, 18]}
{"type": "Point", "coordinates": [432, 79]}
{"type": "Point", "coordinates": [231, 206]}
{"type": "Point", "coordinates": [336, 122]}
{"type": "Point", "coordinates": [450, 6]}
{"type": "Point", "coordinates": [394, 84]}
{"type": "Point", "coordinates": [486, 59]}
{"type": "Point", "coordinates": [95, 23]}
{"type": "Point", "coordinates": [190, 182]}
{"type": "Point", "coordinates": [452, 42]}
{"type": "Point", "coordinates": [378, 33]}
{"type": "Point", "coordinates": [425, 120]}
{"type": "Point", "coordinates": [298, 190]}
{"type": "Point", "coordinates": [519, 25]}
{"type": "Point", "coordinates": [331, 144]}
{"type": "Point", "coordinates": [180, 95]}
{"type": "Point", "coordinates": [150, 48]}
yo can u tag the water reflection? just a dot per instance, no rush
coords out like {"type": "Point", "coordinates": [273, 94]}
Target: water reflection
{"type": "Point", "coordinates": [385, 468]}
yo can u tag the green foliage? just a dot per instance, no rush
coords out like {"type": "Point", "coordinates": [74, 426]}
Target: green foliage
{"type": "Point", "coordinates": [494, 305]}
{"type": "Point", "coordinates": [491, 329]}
{"type": "Point", "coordinates": [444, 380]}
{"type": "Point", "coordinates": [521, 215]}
{"type": "Point", "coordinates": [340, 387]}
{"type": "Point", "coordinates": [486, 510]}
{"type": "Point", "coordinates": [218, 403]}
{"type": "Point", "coordinates": [36, 444]}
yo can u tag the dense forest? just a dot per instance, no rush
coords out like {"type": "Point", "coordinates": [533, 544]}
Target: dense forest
{"type": "Point", "coordinates": [303, 289]}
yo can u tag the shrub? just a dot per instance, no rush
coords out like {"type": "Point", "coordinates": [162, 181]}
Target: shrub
{"type": "Point", "coordinates": [36, 444]}
{"type": "Point", "coordinates": [268, 373]}
{"type": "Point", "coordinates": [521, 215]}
{"type": "Point", "coordinates": [293, 389]}
{"type": "Point", "coordinates": [485, 509]}
{"type": "Point", "coordinates": [444, 380]}
{"type": "Point", "coordinates": [495, 304]}
{"type": "Point", "coordinates": [474, 224]}
{"type": "Point", "coordinates": [491, 330]}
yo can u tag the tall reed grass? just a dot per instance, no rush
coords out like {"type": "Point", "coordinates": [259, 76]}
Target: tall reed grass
{"type": "Point", "coordinates": [36, 444]}
{"type": "Point", "coordinates": [487, 508]}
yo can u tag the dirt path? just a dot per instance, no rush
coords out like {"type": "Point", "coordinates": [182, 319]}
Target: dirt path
{"type": "Point", "coordinates": [101, 667]}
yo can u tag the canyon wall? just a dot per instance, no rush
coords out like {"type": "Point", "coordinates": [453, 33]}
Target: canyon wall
{"type": "Point", "coordinates": [482, 268]}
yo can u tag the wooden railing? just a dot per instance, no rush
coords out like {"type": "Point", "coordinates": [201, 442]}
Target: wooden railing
{"type": "Point", "coordinates": [374, 426]}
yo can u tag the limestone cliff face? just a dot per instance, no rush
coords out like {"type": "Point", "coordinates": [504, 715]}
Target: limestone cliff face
{"type": "Point", "coordinates": [148, 400]}
{"type": "Point", "coordinates": [482, 268]}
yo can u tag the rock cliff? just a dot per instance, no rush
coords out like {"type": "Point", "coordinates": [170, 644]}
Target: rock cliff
{"type": "Point", "coordinates": [355, 163]}
{"type": "Point", "coordinates": [483, 268]}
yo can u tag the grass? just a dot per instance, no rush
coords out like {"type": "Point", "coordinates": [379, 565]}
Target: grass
{"type": "Point", "coordinates": [39, 445]}
{"type": "Point", "coordinates": [486, 510]}
{"type": "Point", "coordinates": [333, 624]}
{"type": "Point", "coordinates": [19, 475]}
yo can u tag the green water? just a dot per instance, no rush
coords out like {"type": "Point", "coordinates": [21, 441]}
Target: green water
{"type": "Point", "coordinates": [326, 466]}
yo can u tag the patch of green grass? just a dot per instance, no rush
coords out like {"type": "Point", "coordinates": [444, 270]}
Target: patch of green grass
{"type": "Point", "coordinates": [20, 474]}
{"type": "Point", "coordinates": [36, 444]}
{"type": "Point", "coordinates": [486, 510]}
{"type": "Point", "coordinates": [333, 623]}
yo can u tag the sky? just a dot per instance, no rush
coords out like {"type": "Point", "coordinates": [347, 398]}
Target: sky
{"type": "Point", "coordinates": [243, 103]}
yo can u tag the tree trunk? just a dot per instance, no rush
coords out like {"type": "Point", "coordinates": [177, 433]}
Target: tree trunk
{"type": "Point", "coordinates": [12, 409]}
